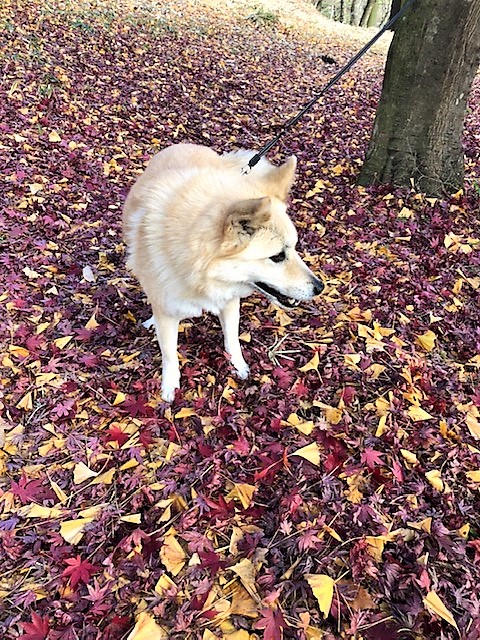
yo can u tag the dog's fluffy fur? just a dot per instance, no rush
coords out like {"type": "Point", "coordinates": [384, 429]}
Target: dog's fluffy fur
{"type": "Point", "coordinates": [201, 235]}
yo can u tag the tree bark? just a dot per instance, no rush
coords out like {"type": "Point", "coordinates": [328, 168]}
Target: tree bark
{"type": "Point", "coordinates": [417, 134]}
{"type": "Point", "coordinates": [376, 13]}
{"type": "Point", "coordinates": [366, 13]}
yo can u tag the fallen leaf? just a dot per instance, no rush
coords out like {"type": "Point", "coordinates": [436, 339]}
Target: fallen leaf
{"type": "Point", "coordinates": [322, 587]}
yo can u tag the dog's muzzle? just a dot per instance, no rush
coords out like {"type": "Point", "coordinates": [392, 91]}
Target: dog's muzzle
{"type": "Point", "coordinates": [285, 301]}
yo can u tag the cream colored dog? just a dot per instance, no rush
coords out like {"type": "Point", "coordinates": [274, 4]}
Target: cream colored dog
{"type": "Point", "coordinates": [201, 235]}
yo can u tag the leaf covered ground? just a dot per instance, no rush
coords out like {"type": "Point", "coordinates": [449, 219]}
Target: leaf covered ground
{"type": "Point", "coordinates": [335, 494]}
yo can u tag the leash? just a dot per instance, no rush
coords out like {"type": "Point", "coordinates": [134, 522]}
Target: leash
{"type": "Point", "coordinates": [293, 121]}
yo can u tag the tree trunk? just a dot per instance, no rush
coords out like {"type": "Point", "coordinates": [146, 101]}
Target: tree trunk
{"type": "Point", "coordinates": [376, 13]}
{"type": "Point", "coordinates": [353, 13]}
{"type": "Point", "coordinates": [417, 134]}
{"type": "Point", "coordinates": [366, 13]}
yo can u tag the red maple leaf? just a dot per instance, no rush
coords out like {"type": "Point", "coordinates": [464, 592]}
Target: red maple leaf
{"type": "Point", "coordinates": [37, 629]}
{"type": "Point", "coordinates": [31, 490]}
{"type": "Point", "coordinates": [273, 623]}
{"type": "Point", "coordinates": [115, 434]}
{"type": "Point", "coordinates": [79, 570]}
{"type": "Point", "coordinates": [372, 458]}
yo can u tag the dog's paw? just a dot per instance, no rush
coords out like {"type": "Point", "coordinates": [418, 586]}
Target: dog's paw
{"type": "Point", "coordinates": [242, 369]}
{"type": "Point", "coordinates": [168, 394]}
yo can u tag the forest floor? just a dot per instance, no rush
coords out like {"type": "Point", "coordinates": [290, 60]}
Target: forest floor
{"type": "Point", "coordinates": [334, 494]}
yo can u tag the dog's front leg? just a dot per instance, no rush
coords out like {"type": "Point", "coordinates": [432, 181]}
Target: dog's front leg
{"type": "Point", "coordinates": [230, 319]}
{"type": "Point", "coordinates": [166, 329]}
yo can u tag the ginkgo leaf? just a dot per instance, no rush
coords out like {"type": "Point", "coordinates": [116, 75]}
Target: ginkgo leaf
{"type": "Point", "coordinates": [134, 518]}
{"type": "Point", "coordinates": [72, 530]}
{"type": "Point", "coordinates": [61, 343]}
{"type": "Point", "coordinates": [147, 629]}
{"type": "Point", "coordinates": [427, 340]}
{"type": "Point", "coordinates": [164, 583]}
{"type": "Point", "coordinates": [435, 479]}
{"type": "Point", "coordinates": [106, 477]}
{"type": "Point", "coordinates": [246, 572]}
{"type": "Point", "coordinates": [409, 456]}
{"type": "Point", "coordinates": [435, 606]}
{"type": "Point", "coordinates": [243, 493]}
{"type": "Point", "coordinates": [375, 546]}
{"type": "Point", "coordinates": [311, 364]}
{"type": "Point", "coordinates": [172, 555]}
{"type": "Point", "coordinates": [418, 414]}
{"type": "Point", "coordinates": [473, 425]}
{"type": "Point", "coordinates": [474, 476]}
{"type": "Point", "coordinates": [81, 473]}
{"type": "Point", "coordinates": [322, 587]}
{"type": "Point", "coordinates": [54, 136]}
{"type": "Point", "coordinates": [310, 452]}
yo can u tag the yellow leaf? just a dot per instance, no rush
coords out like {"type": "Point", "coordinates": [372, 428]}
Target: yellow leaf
{"type": "Point", "coordinates": [92, 323]}
{"type": "Point", "coordinates": [472, 423]}
{"type": "Point", "coordinates": [106, 477]}
{"type": "Point", "coordinates": [134, 518]}
{"type": "Point", "coordinates": [310, 452]}
{"type": "Point", "coordinates": [119, 398]}
{"type": "Point", "coordinates": [81, 473]}
{"type": "Point", "coordinates": [375, 370]}
{"type": "Point", "coordinates": [435, 479]}
{"type": "Point", "coordinates": [54, 137]}
{"type": "Point", "coordinates": [72, 530]}
{"type": "Point", "coordinates": [435, 606]}
{"type": "Point", "coordinates": [246, 572]}
{"type": "Point", "coordinates": [93, 512]}
{"type": "Point", "coordinates": [423, 525]}
{"type": "Point", "coordinates": [185, 412]}
{"type": "Point", "coordinates": [242, 492]}
{"type": "Point", "coordinates": [59, 492]}
{"type": "Point", "coordinates": [241, 634]}
{"type": "Point", "coordinates": [322, 587]}
{"type": "Point", "coordinates": [375, 546]}
{"type": "Point", "coordinates": [35, 187]}
{"type": "Point", "coordinates": [26, 402]}
{"type": "Point", "coordinates": [305, 427]}
{"type": "Point", "coordinates": [427, 340]}
{"type": "Point", "coordinates": [20, 352]}
{"type": "Point", "coordinates": [62, 342]}
{"type": "Point", "coordinates": [242, 602]}
{"type": "Point", "coordinates": [312, 364]}
{"type": "Point", "coordinates": [147, 629]}
{"type": "Point", "coordinates": [405, 213]}
{"type": "Point", "coordinates": [39, 511]}
{"type": "Point", "coordinates": [130, 464]}
{"type": "Point", "coordinates": [474, 476]}
{"type": "Point", "coordinates": [410, 457]}
{"type": "Point", "coordinates": [382, 426]}
{"type": "Point", "coordinates": [417, 414]}
{"type": "Point", "coordinates": [332, 532]}
{"type": "Point", "coordinates": [164, 584]}
{"type": "Point", "coordinates": [172, 555]}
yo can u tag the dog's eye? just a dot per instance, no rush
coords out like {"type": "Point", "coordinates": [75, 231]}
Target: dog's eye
{"type": "Point", "coordinates": [280, 257]}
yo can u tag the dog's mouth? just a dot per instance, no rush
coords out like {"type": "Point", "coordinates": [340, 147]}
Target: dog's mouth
{"type": "Point", "coordinates": [276, 296]}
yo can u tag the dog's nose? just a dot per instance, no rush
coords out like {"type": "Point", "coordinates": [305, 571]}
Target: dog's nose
{"type": "Point", "coordinates": [318, 286]}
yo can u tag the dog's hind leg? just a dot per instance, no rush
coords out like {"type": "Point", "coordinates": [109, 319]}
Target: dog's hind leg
{"type": "Point", "coordinates": [229, 319]}
{"type": "Point", "coordinates": [166, 329]}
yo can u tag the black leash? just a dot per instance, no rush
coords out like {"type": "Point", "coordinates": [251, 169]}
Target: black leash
{"type": "Point", "coordinates": [293, 121]}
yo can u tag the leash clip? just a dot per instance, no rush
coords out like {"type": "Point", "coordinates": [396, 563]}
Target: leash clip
{"type": "Point", "coordinates": [246, 170]}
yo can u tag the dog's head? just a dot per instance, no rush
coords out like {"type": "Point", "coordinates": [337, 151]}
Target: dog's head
{"type": "Point", "coordinates": [259, 239]}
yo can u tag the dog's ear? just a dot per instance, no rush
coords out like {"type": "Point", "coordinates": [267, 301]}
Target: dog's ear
{"type": "Point", "coordinates": [245, 217]}
{"type": "Point", "coordinates": [283, 178]}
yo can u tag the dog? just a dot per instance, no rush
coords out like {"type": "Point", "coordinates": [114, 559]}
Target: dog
{"type": "Point", "coordinates": [201, 234]}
